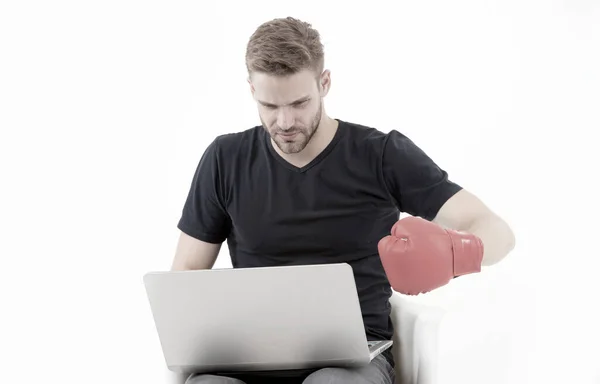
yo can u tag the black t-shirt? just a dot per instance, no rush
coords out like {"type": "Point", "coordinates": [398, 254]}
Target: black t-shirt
{"type": "Point", "coordinates": [333, 210]}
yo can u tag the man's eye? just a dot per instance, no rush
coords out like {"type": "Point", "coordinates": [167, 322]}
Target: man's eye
{"type": "Point", "coordinates": [301, 104]}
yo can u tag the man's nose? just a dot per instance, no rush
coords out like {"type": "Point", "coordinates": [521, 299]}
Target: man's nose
{"type": "Point", "coordinates": [285, 120]}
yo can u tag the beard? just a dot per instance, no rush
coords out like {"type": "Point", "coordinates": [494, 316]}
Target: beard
{"type": "Point", "coordinates": [302, 137]}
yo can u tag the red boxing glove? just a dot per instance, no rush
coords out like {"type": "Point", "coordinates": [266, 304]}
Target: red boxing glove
{"type": "Point", "coordinates": [420, 256]}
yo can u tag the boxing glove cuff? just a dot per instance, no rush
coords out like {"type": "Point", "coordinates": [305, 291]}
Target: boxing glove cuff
{"type": "Point", "coordinates": [467, 250]}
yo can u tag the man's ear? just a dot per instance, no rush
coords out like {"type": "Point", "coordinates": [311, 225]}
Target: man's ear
{"type": "Point", "coordinates": [251, 86]}
{"type": "Point", "coordinates": [325, 82]}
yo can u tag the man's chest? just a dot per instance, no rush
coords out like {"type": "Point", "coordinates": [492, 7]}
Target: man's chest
{"type": "Point", "coordinates": [323, 211]}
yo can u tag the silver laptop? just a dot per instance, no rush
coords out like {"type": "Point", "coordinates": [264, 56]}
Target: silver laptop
{"type": "Point", "coordinates": [260, 319]}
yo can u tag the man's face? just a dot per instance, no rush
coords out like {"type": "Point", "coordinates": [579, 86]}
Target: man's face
{"type": "Point", "coordinates": [289, 107]}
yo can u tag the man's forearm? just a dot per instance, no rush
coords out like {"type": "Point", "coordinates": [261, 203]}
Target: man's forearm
{"type": "Point", "coordinates": [178, 265]}
{"type": "Point", "coordinates": [497, 237]}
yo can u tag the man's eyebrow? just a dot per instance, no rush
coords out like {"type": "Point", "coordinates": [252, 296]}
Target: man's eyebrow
{"type": "Point", "coordinates": [301, 100]}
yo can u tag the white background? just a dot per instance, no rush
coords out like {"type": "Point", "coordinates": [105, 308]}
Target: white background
{"type": "Point", "coordinates": [106, 108]}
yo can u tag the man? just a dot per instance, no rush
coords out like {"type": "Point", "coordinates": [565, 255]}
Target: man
{"type": "Point", "coordinates": [305, 188]}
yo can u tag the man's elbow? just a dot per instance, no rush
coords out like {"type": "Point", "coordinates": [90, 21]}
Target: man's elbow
{"type": "Point", "coordinates": [508, 241]}
{"type": "Point", "coordinates": [511, 240]}
{"type": "Point", "coordinates": [497, 237]}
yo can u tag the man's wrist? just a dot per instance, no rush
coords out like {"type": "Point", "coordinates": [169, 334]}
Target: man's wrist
{"type": "Point", "coordinates": [467, 250]}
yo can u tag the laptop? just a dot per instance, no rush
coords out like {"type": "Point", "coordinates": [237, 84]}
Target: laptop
{"type": "Point", "coordinates": [260, 319]}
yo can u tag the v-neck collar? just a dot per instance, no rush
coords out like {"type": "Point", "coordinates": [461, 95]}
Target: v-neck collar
{"type": "Point", "coordinates": [336, 138]}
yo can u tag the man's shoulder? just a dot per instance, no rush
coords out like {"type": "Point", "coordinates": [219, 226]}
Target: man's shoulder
{"type": "Point", "coordinates": [367, 132]}
{"type": "Point", "coordinates": [235, 141]}
{"type": "Point", "coordinates": [366, 135]}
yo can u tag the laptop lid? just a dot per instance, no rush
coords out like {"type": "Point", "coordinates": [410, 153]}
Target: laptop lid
{"type": "Point", "coordinates": [268, 318]}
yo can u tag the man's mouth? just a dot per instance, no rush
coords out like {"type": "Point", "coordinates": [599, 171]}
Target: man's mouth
{"type": "Point", "coordinates": [288, 135]}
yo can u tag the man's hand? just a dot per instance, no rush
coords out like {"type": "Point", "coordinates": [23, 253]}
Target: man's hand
{"type": "Point", "coordinates": [420, 256]}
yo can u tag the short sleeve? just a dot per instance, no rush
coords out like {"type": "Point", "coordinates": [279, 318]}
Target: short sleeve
{"type": "Point", "coordinates": [417, 184]}
{"type": "Point", "coordinates": [204, 216]}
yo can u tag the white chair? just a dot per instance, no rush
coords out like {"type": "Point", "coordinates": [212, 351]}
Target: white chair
{"type": "Point", "coordinates": [415, 342]}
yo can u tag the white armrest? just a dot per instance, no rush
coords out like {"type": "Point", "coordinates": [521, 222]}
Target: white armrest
{"type": "Point", "coordinates": [174, 378]}
{"type": "Point", "coordinates": [443, 338]}
{"type": "Point", "coordinates": [415, 340]}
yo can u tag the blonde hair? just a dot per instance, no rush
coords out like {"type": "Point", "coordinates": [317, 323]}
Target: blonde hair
{"type": "Point", "coordinates": [283, 47]}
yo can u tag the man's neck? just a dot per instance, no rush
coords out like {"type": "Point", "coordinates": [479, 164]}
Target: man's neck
{"type": "Point", "coordinates": [320, 140]}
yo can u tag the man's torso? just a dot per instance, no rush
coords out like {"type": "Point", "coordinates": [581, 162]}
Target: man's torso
{"type": "Point", "coordinates": [335, 209]}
